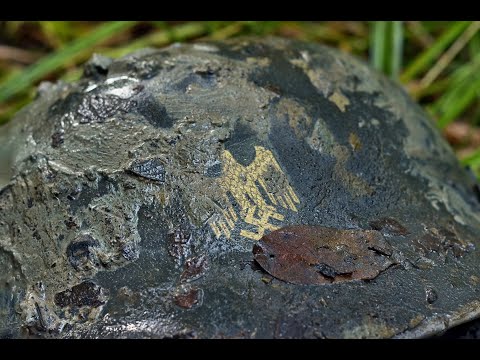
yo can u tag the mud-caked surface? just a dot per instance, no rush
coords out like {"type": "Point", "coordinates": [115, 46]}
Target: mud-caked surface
{"type": "Point", "coordinates": [249, 188]}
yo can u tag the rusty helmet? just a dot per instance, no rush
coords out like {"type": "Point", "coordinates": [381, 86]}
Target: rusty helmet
{"type": "Point", "coordinates": [251, 188]}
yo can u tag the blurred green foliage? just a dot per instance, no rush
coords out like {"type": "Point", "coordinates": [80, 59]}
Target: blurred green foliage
{"type": "Point", "coordinates": [438, 62]}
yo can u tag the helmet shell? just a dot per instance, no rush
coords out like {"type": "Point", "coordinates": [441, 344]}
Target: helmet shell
{"type": "Point", "coordinates": [251, 188]}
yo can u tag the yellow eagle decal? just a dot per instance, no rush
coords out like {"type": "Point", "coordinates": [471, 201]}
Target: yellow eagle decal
{"type": "Point", "coordinates": [246, 184]}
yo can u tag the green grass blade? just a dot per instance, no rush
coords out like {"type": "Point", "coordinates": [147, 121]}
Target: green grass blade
{"type": "Point", "coordinates": [418, 33]}
{"type": "Point", "coordinates": [463, 88]}
{"type": "Point", "coordinates": [474, 45]}
{"type": "Point", "coordinates": [227, 31]}
{"type": "Point", "coordinates": [472, 160]}
{"type": "Point", "coordinates": [461, 99]}
{"type": "Point", "coordinates": [377, 44]}
{"type": "Point", "coordinates": [56, 60]}
{"type": "Point", "coordinates": [457, 82]}
{"type": "Point", "coordinates": [397, 48]}
{"type": "Point", "coordinates": [448, 56]}
{"type": "Point", "coordinates": [423, 61]}
{"type": "Point", "coordinates": [386, 46]}
{"type": "Point", "coordinates": [163, 37]}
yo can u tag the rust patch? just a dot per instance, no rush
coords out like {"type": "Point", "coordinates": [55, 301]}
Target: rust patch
{"type": "Point", "coordinates": [179, 243]}
{"type": "Point", "coordinates": [356, 185]}
{"type": "Point", "coordinates": [194, 268]}
{"type": "Point", "coordinates": [298, 119]}
{"type": "Point", "coordinates": [315, 255]}
{"type": "Point", "coordinates": [442, 241]}
{"type": "Point", "coordinates": [417, 320]}
{"type": "Point", "coordinates": [84, 294]}
{"type": "Point", "coordinates": [474, 280]}
{"type": "Point", "coordinates": [323, 141]}
{"type": "Point", "coordinates": [389, 226]}
{"type": "Point", "coordinates": [188, 299]}
{"type": "Point", "coordinates": [354, 141]}
{"type": "Point", "coordinates": [428, 243]}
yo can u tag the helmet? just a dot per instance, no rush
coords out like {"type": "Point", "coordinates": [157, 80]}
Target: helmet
{"type": "Point", "coordinates": [252, 188]}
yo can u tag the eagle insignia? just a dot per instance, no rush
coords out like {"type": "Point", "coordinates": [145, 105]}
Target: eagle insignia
{"type": "Point", "coordinates": [259, 189]}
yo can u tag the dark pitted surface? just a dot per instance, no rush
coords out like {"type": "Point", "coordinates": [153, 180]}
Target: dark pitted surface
{"type": "Point", "coordinates": [137, 195]}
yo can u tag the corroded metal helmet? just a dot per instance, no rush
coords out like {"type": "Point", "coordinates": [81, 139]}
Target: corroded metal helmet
{"type": "Point", "coordinates": [251, 188]}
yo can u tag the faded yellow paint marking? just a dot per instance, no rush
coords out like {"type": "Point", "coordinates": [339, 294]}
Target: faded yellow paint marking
{"type": "Point", "coordinates": [293, 195]}
{"type": "Point", "coordinates": [261, 61]}
{"type": "Point", "coordinates": [281, 201]}
{"type": "Point", "coordinates": [215, 229]}
{"type": "Point", "coordinates": [230, 222]}
{"type": "Point", "coordinates": [340, 100]}
{"type": "Point", "coordinates": [270, 196]}
{"type": "Point", "coordinates": [225, 229]}
{"type": "Point", "coordinates": [254, 212]}
{"type": "Point", "coordinates": [290, 203]}
{"type": "Point", "coordinates": [232, 213]}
